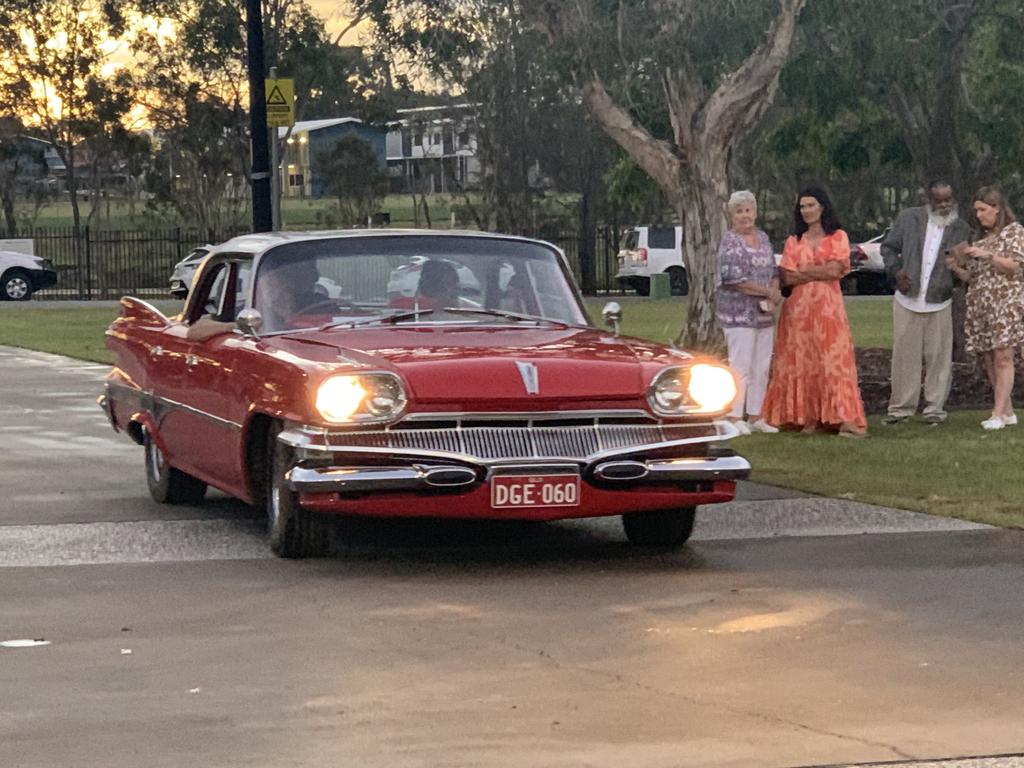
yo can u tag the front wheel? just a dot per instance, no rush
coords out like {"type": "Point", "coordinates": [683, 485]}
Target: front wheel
{"type": "Point", "coordinates": [16, 285]}
{"type": "Point", "coordinates": [662, 528]}
{"type": "Point", "coordinates": [168, 485]}
{"type": "Point", "coordinates": [293, 532]}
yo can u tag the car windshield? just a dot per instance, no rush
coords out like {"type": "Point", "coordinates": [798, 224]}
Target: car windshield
{"type": "Point", "coordinates": [411, 279]}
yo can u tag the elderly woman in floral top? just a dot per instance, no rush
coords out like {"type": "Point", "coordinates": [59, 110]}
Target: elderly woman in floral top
{"type": "Point", "coordinates": [746, 309]}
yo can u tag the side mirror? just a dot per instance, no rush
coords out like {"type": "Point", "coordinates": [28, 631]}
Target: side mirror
{"type": "Point", "coordinates": [250, 322]}
{"type": "Point", "coordinates": [612, 314]}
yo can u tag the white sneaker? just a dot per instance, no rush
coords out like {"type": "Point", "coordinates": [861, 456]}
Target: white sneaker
{"type": "Point", "coordinates": [763, 426]}
{"type": "Point", "coordinates": [741, 426]}
{"type": "Point", "coordinates": [1011, 420]}
{"type": "Point", "coordinates": [993, 423]}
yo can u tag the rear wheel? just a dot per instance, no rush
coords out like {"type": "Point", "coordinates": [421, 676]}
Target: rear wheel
{"type": "Point", "coordinates": [16, 285]}
{"type": "Point", "coordinates": [292, 530]}
{"type": "Point", "coordinates": [662, 528]}
{"type": "Point", "coordinates": [168, 485]}
{"type": "Point", "coordinates": [679, 281]}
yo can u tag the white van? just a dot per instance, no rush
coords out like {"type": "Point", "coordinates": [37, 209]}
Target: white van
{"type": "Point", "coordinates": [646, 251]}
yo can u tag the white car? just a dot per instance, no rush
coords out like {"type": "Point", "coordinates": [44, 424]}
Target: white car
{"type": "Point", "coordinates": [647, 251]}
{"type": "Point", "coordinates": [868, 269]}
{"type": "Point", "coordinates": [21, 275]}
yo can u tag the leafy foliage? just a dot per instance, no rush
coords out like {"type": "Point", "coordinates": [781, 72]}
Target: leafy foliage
{"type": "Point", "coordinates": [352, 173]}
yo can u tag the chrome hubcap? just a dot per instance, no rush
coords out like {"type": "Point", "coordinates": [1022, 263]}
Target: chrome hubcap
{"type": "Point", "coordinates": [16, 288]}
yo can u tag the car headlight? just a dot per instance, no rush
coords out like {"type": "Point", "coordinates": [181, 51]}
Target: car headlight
{"type": "Point", "coordinates": [700, 388]}
{"type": "Point", "coordinates": [368, 397]}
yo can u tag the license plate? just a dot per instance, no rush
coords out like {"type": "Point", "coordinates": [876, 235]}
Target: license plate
{"type": "Point", "coordinates": [510, 491]}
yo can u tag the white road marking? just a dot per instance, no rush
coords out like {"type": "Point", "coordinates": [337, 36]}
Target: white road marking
{"type": "Point", "coordinates": [23, 643]}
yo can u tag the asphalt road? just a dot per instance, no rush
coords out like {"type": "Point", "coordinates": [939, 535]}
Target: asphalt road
{"type": "Point", "coordinates": [790, 632]}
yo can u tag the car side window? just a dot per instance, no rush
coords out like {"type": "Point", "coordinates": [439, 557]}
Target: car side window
{"type": "Point", "coordinates": [214, 301]}
{"type": "Point", "coordinates": [661, 237]}
{"type": "Point", "coordinates": [243, 274]}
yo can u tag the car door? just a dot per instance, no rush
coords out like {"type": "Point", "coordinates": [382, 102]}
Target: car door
{"type": "Point", "coordinates": [206, 433]}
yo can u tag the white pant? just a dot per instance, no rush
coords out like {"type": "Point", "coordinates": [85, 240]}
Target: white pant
{"type": "Point", "coordinates": [750, 357]}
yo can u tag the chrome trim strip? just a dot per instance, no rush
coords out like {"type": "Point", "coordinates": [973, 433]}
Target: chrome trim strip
{"type": "Point", "coordinates": [175, 405]}
{"type": "Point", "coordinates": [145, 397]}
{"type": "Point", "coordinates": [723, 468]}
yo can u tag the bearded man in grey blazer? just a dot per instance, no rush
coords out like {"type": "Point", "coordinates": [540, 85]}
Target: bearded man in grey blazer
{"type": "Point", "coordinates": [922, 315]}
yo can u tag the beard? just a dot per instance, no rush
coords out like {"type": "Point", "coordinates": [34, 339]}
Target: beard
{"type": "Point", "coordinates": [942, 220]}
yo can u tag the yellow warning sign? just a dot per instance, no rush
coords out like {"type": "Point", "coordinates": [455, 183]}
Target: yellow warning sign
{"type": "Point", "coordinates": [280, 95]}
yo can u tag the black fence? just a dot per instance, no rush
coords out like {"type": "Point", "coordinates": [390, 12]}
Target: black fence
{"type": "Point", "coordinates": [108, 264]}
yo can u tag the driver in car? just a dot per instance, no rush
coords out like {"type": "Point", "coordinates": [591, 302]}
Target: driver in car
{"type": "Point", "coordinates": [284, 291]}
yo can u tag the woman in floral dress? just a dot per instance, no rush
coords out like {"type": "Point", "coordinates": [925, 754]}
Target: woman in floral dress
{"type": "Point", "coordinates": [747, 297]}
{"type": "Point", "coordinates": [814, 375]}
{"type": "Point", "coordinates": [995, 298]}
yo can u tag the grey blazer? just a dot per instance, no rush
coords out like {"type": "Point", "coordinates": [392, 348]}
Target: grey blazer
{"type": "Point", "coordinates": [903, 246]}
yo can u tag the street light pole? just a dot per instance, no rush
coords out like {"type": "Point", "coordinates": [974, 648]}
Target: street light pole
{"type": "Point", "coordinates": [262, 215]}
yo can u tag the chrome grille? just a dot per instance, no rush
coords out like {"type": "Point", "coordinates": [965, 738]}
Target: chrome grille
{"type": "Point", "coordinates": [521, 442]}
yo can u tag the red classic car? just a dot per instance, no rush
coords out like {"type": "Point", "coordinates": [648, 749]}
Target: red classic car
{"type": "Point", "coordinates": [487, 393]}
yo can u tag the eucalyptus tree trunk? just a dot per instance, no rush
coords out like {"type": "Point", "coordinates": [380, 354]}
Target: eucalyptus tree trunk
{"type": "Point", "coordinates": [692, 167]}
{"type": "Point", "coordinates": [702, 209]}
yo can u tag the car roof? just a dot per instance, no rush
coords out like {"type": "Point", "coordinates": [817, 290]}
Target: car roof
{"type": "Point", "coordinates": [258, 242]}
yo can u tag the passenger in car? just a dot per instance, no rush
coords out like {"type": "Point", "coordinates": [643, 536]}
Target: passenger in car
{"type": "Point", "coordinates": [438, 286]}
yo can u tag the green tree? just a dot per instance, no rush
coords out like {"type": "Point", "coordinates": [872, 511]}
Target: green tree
{"type": "Point", "coordinates": [352, 173]}
{"type": "Point", "coordinates": [195, 88]}
{"type": "Point", "coordinates": [52, 71]}
{"type": "Point", "coordinates": [20, 166]}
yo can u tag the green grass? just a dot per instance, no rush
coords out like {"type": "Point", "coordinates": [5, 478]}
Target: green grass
{"type": "Point", "coordinates": [74, 331]}
{"type": "Point", "coordinates": [956, 470]}
{"type": "Point", "coordinates": [297, 213]}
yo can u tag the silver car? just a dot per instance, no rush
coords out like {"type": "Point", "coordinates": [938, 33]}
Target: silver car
{"type": "Point", "coordinates": [185, 270]}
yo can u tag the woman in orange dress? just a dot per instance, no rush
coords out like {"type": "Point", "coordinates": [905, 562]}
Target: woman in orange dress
{"type": "Point", "coordinates": [813, 385]}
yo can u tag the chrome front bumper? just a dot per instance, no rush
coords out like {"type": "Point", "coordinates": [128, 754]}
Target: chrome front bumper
{"type": "Point", "coordinates": [608, 455]}
{"type": "Point", "coordinates": [419, 477]}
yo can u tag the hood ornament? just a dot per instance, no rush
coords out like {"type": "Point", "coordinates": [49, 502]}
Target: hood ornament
{"type": "Point", "coordinates": [530, 380]}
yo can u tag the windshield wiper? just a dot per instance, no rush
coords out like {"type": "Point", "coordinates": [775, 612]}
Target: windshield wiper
{"type": "Point", "coordinates": [392, 319]}
{"type": "Point", "coordinates": [502, 313]}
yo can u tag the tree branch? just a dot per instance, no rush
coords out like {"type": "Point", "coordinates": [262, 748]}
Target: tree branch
{"type": "Point", "coordinates": [746, 92]}
{"type": "Point", "coordinates": [653, 155]}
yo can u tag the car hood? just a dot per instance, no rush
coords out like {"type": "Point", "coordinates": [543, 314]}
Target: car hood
{"type": "Point", "coordinates": [482, 369]}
